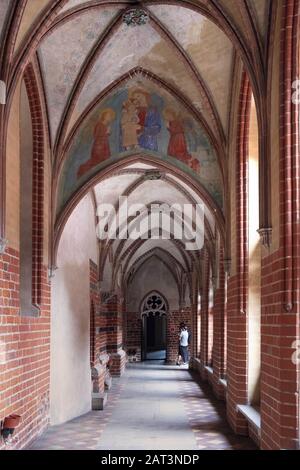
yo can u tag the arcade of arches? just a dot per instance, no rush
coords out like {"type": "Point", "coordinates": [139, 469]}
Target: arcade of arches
{"type": "Point", "coordinates": [156, 103]}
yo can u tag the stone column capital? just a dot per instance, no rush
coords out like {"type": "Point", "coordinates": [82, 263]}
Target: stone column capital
{"type": "Point", "coordinates": [265, 234]}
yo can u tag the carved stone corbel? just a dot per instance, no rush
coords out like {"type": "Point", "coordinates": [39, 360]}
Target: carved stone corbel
{"type": "Point", "coordinates": [265, 234]}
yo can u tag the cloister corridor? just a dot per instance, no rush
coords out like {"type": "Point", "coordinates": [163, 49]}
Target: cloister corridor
{"type": "Point", "coordinates": [149, 225]}
{"type": "Point", "coordinates": [153, 406]}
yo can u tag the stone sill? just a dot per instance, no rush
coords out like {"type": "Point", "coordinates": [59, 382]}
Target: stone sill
{"type": "Point", "coordinates": [197, 360]}
{"type": "Point", "coordinates": [251, 414]}
{"type": "Point", "coordinates": [223, 382]}
{"type": "Point", "coordinates": [209, 369]}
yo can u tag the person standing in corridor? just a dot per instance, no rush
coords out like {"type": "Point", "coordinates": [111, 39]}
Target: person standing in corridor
{"type": "Point", "coordinates": [183, 344]}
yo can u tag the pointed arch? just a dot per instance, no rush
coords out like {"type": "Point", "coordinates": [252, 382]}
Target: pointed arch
{"type": "Point", "coordinates": [159, 295]}
{"type": "Point", "coordinates": [113, 169]}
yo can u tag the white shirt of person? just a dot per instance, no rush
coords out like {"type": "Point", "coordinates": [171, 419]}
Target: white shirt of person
{"type": "Point", "coordinates": [184, 337]}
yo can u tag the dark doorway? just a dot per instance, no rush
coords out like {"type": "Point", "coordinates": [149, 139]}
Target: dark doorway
{"type": "Point", "coordinates": [155, 337]}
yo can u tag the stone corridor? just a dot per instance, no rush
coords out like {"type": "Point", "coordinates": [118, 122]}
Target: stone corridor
{"type": "Point", "coordinates": [153, 406]}
{"type": "Point", "coordinates": [149, 202]}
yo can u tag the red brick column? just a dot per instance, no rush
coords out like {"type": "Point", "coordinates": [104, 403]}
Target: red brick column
{"type": "Point", "coordinates": [37, 182]}
{"type": "Point", "coordinates": [24, 354]}
{"type": "Point", "coordinates": [204, 316]}
{"type": "Point", "coordinates": [280, 271]}
{"type": "Point", "coordinates": [238, 284]}
{"type": "Point", "coordinates": [134, 334]}
{"type": "Point", "coordinates": [99, 358]}
{"type": "Point", "coordinates": [193, 326]}
{"type": "Point", "coordinates": [112, 310]}
{"type": "Point", "coordinates": [219, 332]}
{"type": "Point", "coordinates": [174, 319]}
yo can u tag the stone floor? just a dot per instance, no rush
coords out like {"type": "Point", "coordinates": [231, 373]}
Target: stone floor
{"type": "Point", "coordinates": [153, 406]}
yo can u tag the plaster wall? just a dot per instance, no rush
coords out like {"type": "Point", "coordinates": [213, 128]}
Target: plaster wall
{"type": "Point", "coordinates": [70, 379]}
{"type": "Point", "coordinates": [153, 275]}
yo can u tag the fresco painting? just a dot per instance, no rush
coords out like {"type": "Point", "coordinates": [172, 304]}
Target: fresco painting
{"type": "Point", "coordinates": [132, 47]}
{"type": "Point", "coordinates": [137, 118]}
{"type": "Point", "coordinates": [62, 54]}
{"type": "Point", "coordinates": [189, 28]}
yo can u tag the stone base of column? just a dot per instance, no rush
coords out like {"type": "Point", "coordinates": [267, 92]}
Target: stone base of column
{"type": "Point", "coordinates": [219, 390]}
{"type": "Point", "coordinates": [117, 363]}
{"type": "Point", "coordinates": [99, 373]}
{"type": "Point", "coordinates": [198, 366]}
{"type": "Point", "coordinates": [236, 420]}
{"type": "Point", "coordinates": [99, 400]}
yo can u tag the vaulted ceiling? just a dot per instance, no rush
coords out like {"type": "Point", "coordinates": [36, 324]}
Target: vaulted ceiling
{"type": "Point", "coordinates": [86, 46]}
{"type": "Point", "coordinates": [82, 51]}
{"type": "Point", "coordinates": [128, 257]}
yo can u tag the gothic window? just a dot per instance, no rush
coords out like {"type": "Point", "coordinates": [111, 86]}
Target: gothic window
{"type": "Point", "coordinates": [154, 305]}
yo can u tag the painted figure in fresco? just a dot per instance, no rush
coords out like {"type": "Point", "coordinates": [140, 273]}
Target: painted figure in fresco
{"type": "Point", "coordinates": [130, 125]}
{"type": "Point", "coordinates": [177, 144]}
{"type": "Point", "coordinates": [101, 149]}
{"type": "Point", "coordinates": [149, 120]}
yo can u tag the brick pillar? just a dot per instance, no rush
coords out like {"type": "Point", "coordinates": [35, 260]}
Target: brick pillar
{"type": "Point", "coordinates": [204, 317]}
{"type": "Point", "coordinates": [174, 319]}
{"type": "Point", "coordinates": [219, 332]}
{"type": "Point", "coordinates": [193, 326]}
{"type": "Point", "coordinates": [100, 374]}
{"type": "Point", "coordinates": [237, 388]}
{"type": "Point", "coordinates": [112, 310]}
{"type": "Point", "coordinates": [134, 336]}
{"type": "Point", "coordinates": [280, 270]}
{"type": "Point", "coordinates": [24, 354]}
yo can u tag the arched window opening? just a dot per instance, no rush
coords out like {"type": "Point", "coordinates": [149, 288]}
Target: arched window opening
{"type": "Point", "coordinates": [254, 250]}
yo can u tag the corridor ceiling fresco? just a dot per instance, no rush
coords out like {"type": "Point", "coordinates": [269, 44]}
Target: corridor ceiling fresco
{"type": "Point", "coordinates": [90, 62]}
{"type": "Point", "coordinates": [75, 38]}
{"type": "Point", "coordinates": [141, 117]}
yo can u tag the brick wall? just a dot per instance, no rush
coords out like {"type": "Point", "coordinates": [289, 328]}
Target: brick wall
{"type": "Point", "coordinates": [134, 333]}
{"type": "Point", "coordinates": [97, 338]}
{"type": "Point", "coordinates": [279, 401]}
{"type": "Point", "coordinates": [174, 318]}
{"type": "Point", "coordinates": [112, 314]}
{"type": "Point", "coordinates": [37, 182]}
{"type": "Point", "coordinates": [238, 284]}
{"type": "Point", "coordinates": [280, 270]}
{"type": "Point", "coordinates": [173, 321]}
{"type": "Point", "coordinates": [218, 356]}
{"type": "Point", "coordinates": [236, 357]}
{"type": "Point", "coordinates": [24, 354]}
{"type": "Point", "coordinates": [204, 316]}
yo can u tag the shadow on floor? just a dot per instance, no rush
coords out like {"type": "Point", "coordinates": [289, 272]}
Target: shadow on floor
{"type": "Point", "coordinates": [172, 408]}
